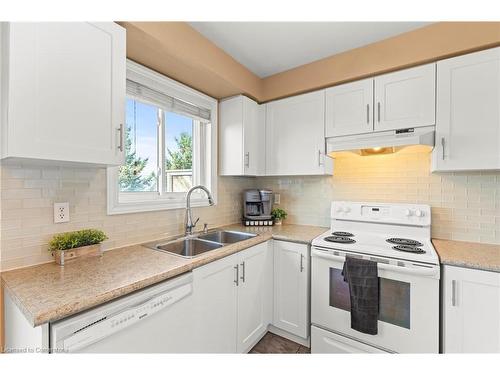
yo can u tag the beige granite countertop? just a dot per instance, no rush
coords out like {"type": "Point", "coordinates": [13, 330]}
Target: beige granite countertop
{"type": "Point", "coordinates": [49, 292]}
{"type": "Point", "coordinates": [468, 254]}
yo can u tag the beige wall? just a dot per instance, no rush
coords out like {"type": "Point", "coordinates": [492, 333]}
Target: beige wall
{"type": "Point", "coordinates": [465, 206]}
{"type": "Point", "coordinates": [28, 193]}
{"type": "Point", "coordinates": [180, 52]}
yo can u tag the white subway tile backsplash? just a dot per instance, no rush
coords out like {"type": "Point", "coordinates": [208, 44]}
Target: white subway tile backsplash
{"type": "Point", "coordinates": [465, 205]}
{"type": "Point", "coordinates": [28, 194]}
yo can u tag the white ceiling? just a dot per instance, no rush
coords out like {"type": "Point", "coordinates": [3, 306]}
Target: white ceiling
{"type": "Point", "coordinates": [268, 48]}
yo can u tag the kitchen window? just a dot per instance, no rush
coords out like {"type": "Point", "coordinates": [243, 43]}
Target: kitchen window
{"type": "Point", "coordinates": [169, 145]}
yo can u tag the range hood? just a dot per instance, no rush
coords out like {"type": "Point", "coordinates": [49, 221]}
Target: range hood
{"type": "Point", "coordinates": [381, 142]}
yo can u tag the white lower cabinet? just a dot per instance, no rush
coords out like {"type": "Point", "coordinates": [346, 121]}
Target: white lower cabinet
{"type": "Point", "coordinates": [215, 295]}
{"type": "Point", "coordinates": [471, 311]}
{"type": "Point", "coordinates": [323, 341]}
{"type": "Point", "coordinates": [254, 295]}
{"type": "Point", "coordinates": [291, 288]}
{"type": "Point", "coordinates": [233, 301]}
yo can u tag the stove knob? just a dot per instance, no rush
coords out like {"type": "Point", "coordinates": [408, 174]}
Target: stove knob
{"type": "Point", "coordinates": [419, 213]}
{"type": "Point", "coordinates": [339, 209]}
{"type": "Point", "coordinates": [408, 212]}
{"type": "Point", "coordinates": [347, 210]}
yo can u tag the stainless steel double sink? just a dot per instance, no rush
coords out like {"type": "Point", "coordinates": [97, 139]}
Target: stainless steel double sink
{"type": "Point", "coordinates": [196, 245]}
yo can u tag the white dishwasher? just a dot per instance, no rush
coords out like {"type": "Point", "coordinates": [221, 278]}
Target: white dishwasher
{"type": "Point", "coordinates": [157, 319]}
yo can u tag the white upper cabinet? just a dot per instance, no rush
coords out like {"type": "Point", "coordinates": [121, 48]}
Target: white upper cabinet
{"type": "Point", "coordinates": [471, 311]}
{"type": "Point", "coordinates": [64, 91]}
{"type": "Point", "coordinates": [405, 99]}
{"type": "Point", "coordinates": [242, 137]}
{"type": "Point", "coordinates": [349, 108]}
{"type": "Point", "coordinates": [468, 112]}
{"type": "Point", "coordinates": [295, 136]}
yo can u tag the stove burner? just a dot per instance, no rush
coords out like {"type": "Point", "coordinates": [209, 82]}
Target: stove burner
{"type": "Point", "coordinates": [404, 242]}
{"type": "Point", "coordinates": [343, 234]}
{"type": "Point", "coordinates": [339, 239]}
{"type": "Point", "coordinates": [409, 249]}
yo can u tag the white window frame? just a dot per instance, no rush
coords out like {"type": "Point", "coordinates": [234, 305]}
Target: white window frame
{"type": "Point", "coordinates": [122, 203]}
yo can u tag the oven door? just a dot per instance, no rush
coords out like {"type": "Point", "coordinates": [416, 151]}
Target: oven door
{"type": "Point", "coordinates": [408, 297]}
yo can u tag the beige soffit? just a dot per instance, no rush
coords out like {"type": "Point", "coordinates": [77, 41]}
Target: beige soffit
{"type": "Point", "coordinates": [429, 43]}
{"type": "Point", "coordinates": [180, 52]}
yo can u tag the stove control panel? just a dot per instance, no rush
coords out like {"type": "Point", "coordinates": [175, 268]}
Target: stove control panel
{"type": "Point", "coordinates": [404, 214]}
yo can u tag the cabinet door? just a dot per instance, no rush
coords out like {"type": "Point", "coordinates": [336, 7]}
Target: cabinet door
{"type": "Point", "coordinates": [66, 91]}
{"type": "Point", "coordinates": [215, 300]}
{"type": "Point", "coordinates": [291, 288]}
{"type": "Point", "coordinates": [254, 295]}
{"type": "Point", "coordinates": [471, 311]}
{"type": "Point", "coordinates": [231, 149]}
{"type": "Point", "coordinates": [405, 99]}
{"type": "Point", "coordinates": [242, 137]}
{"type": "Point", "coordinates": [254, 138]}
{"type": "Point", "coordinates": [468, 116]}
{"type": "Point", "coordinates": [349, 108]}
{"type": "Point", "coordinates": [295, 136]}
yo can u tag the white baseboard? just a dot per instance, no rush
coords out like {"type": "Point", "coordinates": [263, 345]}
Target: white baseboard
{"type": "Point", "coordinates": [256, 341]}
{"type": "Point", "coordinates": [290, 336]}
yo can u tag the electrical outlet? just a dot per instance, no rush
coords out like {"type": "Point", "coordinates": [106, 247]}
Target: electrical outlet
{"type": "Point", "coordinates": [277, 198]}
{"type": "Point", "coordinates": [61, 212]}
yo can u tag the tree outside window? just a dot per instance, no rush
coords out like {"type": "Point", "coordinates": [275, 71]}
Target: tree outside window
{"type": "Point", "coordinates": [140, 171]}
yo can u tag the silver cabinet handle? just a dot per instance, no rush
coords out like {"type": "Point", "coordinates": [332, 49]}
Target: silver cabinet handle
{"type": "Point", "coordinates": [120, 131]}
{"type": "Point", "coordinates": [247, 159]}
{"type": "Point", "coordinates": [301, 262]}
{"type": "Point", "coordinates": [243, 271]}
{"type": "Point", "coordinates": [319, 158]}
{"type": "Point", "coordinates": [237, 279]}
{"type": "Point", "coordinates": [442, 146]}
{"type": "Point", "coordinates": [378, 111]}
{"type": "Point", "coordinates": [368, 113]}
{"type": "Point", "coordinates": [453, 292]}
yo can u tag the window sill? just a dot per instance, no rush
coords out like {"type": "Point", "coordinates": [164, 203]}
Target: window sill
{"type": "Point", "coordinates": [121, 204]}
{"type": "Point", "coordinates": [153, 205]}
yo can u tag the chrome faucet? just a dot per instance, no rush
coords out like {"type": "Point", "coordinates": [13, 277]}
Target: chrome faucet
{"type": "Point", "coordinates": [188, 223]}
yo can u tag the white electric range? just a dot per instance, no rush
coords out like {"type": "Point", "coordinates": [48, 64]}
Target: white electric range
{"type": "Point", "coordinates": [398, 238]}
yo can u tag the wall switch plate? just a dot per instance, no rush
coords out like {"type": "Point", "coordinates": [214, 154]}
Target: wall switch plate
{"type": "Point", "coordinates": [277, 198]}
{"type": "Point", "coordinates": [61, 212]}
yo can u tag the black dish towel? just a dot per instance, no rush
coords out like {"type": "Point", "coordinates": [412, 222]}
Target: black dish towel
{"type": "Point", "coordinates": [362, 277]}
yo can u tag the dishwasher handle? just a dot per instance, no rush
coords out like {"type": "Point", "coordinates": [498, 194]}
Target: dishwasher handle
{"type": "Point", "coordinates": [109, 325]}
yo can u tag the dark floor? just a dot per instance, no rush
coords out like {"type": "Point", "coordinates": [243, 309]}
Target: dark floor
{"type": "Point", "coordinates": [274, 344]}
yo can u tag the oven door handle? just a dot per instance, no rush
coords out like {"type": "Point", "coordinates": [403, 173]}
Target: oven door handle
{"type": "Point", "coordinates": [420, 271]}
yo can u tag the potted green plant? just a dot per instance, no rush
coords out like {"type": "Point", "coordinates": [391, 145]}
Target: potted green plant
{"type": "Point", "coordinates": [77, 244]}
{"type": "Point", "coordinates": [278, 215]}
